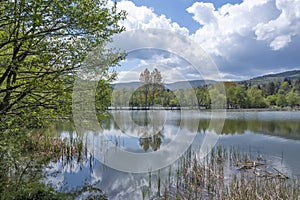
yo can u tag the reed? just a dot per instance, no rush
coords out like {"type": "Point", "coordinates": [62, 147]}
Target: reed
{"type": "Point", "coordinates": [228, 174]}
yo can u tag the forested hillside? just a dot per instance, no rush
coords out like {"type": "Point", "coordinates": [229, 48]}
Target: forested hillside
{"type": "Point", "coordinates": [278, 77]}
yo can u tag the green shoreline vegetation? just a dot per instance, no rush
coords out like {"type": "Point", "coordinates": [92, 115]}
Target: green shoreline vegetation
{"type": "Point", "coordinates": [152, 93]}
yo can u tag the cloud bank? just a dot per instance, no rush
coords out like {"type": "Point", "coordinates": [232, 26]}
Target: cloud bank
{"type": "Point", "coordinates": [245, 40]}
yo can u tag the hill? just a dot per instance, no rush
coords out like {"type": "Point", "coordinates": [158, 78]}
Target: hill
{"type": "Point", "coordinates": [291, 75]}
{"type": "Point", "coordinates": [171, 86]}
{"type": "Point", "coordinates": [133, 85]}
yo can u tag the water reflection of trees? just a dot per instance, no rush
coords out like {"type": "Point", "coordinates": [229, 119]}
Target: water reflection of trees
{"type": "Point", "coordinates": [147, 126]}
{"type": "Point", "coordinates": [288, 129]}
{"type": "Point", "coordinates": [150, 138]}
{"type": "Point", "coordinates": [268, 127]}
{"type": "Point", "coordinates": [153, 141]}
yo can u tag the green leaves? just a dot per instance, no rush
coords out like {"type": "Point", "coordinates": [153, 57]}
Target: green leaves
{"type": "Point", "coordinates": [256, 99]}
{"type": "Point", "coordinates": [293, 98]}
{"type": "Point", "coordinates": [42, 45]}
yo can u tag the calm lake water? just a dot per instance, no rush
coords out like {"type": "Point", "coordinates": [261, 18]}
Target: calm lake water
{"type": "Point", "coordinates": [273, 135]}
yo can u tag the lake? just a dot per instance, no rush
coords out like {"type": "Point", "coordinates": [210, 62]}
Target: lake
{"type": "Point", "coordinates": [130, 141]}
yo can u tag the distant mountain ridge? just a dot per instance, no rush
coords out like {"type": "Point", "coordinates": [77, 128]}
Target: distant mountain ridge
{"type": "Point", "coordinates": [171, 86]}
{"type": "Point", "coordinates": [292, 75]}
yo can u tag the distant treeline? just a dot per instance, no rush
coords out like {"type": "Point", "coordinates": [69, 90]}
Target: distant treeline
{"type": "Point", "coordinates": [238, 95]}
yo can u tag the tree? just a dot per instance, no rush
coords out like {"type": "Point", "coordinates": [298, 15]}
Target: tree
{"type": "Point", "coordinates": [191, 98]}
{"type": "Point", "coordinates": [270, 88]}
{"type": "Point", "coordinates": [293, 98]}
{"type": "Point", "coordinates": [42, 44]}
{"type": "Point", "coordinates": [256, 99]}
{"type": "Point", "coordinates": [296, 85]}
{"type": "Point", "coordinates": [145, 78]}
{"type": "Point", "coordinates": [285, 86]}
{"type": "Point", "coordinates": [281, 100]}
{"type": "Point", "coordinates": [271, 100]}
{"type": "Point", "coordinates": [241, 96]}
{"type": "Point", "coordinates": [181, 98]}
{"type": "Point", "coordinates": [231, 97]}
{"type": "Point", "coordinates": [203, 96]}
{"type": "Point", "coordinates": [218, 98]}
{"type": "Point", "coordinates": [151, 85]}
{"type": "Point", "coordinates": [156, 79]}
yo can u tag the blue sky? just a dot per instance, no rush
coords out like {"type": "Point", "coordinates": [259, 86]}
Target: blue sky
{"type": "Point", "coordinates": [175, 10]}
{"type": "Point", "coordinates": [245, 38]}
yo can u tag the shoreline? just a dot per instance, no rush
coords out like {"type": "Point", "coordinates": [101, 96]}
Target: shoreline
{"type": "Point", "coordinates": [288, 109]}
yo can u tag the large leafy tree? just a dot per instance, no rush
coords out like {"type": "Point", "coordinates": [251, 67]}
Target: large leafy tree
{"type": "Point", "coordinates": [293, 98]}
{"type": "Point", "coordinates": [241, 97]}
{"type": "Point", "coordinates": [42, 44]}
{"type": "Point", "coordinates": [203, 96]}
{"type": "Point", "coordinates": [256, 99]}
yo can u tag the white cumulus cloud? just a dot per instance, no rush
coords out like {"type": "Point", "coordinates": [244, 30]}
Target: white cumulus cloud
{"type": "Point", "coordinates": [267, 20]}
{"type": "Point", "coordinates": [224, 29]}
{"type": "Point", "coordinates": [141, 17]}
{"type": "Point", "coordinates": [279, 31]}
{"type": "Point", "coordinates": [244, 39]}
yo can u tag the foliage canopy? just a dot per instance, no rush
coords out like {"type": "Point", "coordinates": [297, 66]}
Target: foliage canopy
{"type": "Point", "coordinates": [42, 44]}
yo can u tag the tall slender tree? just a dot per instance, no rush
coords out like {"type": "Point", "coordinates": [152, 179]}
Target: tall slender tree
{"type": "Point", "coordinates": [156, 83]}
{"type": "Point", "coordinates": [145, 78]}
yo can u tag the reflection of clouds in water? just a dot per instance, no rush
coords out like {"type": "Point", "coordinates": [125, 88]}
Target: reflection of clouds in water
{"type": "Point", "coordinates": [55, 175]}
{"type": "Point", "coordinates": [173, 124]}
{"type": "Point", "coordinates": [280, 153]}
{"type": "Point", "coordinates": [139, 124]}
{"type": "Point", "coordinates": [62, 175]}
{"type": "Point", "coordinates": [168, 133]}
{"type": "Point", "coordinates": [118, 185]}
{"type": "Point", "coordinates": [115, 184]}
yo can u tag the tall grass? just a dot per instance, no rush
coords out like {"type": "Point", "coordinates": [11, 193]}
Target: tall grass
{"type": "Point", "coordinates": [228, 174]}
